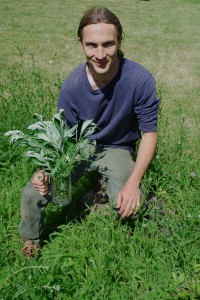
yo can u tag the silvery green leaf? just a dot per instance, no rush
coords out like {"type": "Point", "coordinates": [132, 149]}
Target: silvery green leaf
{"type": "Point", "coordinates": [94, 142]}
{"type": "Point", "coordinates": [38, 125]}
{"type": "Point", "coordinates": [48, 166]}
{"type": "Point", "coordinates": [87, 128]}
{"type": "Point", "coordinates": [54, 132]}
{"type": "Point", "coordinates": [81, 144]}
{"type": "Point", "coordinates": [67, 157]}
{"type": "Point", "coordinates": [85, 125]}
{"type": "Point", "coordinates": [33, 143]}
{"type": "Point", "coordinates": [89, 131]}
{"type": "Point", "coordinates": [52, 155]}
{"type": "Point", "coordinates": [68, 133]}
{"type": "Point", "coordinates": [58, 115]}
{"type": "Point", "coordinates": [33, 154]}
{"type": "Point", "coordinates": [43, 136]}
{"type": "Point", "coordinates": [15, 135]}
{"type": "Point", "coordinates": [40, 117]}
{"type": "Point", "coordinates": [48, 124]}
{"type": "Point", "coordinates": [78, 157]}
{"type": "Point", "coordinates": [54, 136]}
{"type": "Point", "coordinates": [60, 118]}
{"type": "Point", "coordinates": [13, 132]}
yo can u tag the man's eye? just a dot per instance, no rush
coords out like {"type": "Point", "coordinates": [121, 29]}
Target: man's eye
{"type": "Point", "coordinates": [109, 44]}
{"type": "Point", "coordinates": [91, 45]}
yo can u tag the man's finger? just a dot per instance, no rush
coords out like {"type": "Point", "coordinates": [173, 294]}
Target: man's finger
{"type": "Point", "coordinates": [134, 209]}
{"type": "Point", "coordinates": [126, 211]}
{"type": "Point", "coordinates": [40, 177]}
{"type": "Point", "coordinates": [119, 201]}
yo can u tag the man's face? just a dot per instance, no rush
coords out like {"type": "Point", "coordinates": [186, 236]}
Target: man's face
{"type": "Point", "coordinates": [100, 45]}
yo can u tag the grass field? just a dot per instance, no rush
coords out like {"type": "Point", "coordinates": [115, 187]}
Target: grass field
{"type": "Point", "coordinates": [158, 255]}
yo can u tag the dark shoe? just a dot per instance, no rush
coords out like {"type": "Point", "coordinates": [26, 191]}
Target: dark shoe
{"type": "Point", "coordinates": [31, 249]}
{"type": "Point", "coordinates": [100, 196]}
{"type": "Point", "coordinates": [94, 200]}
{"type": "Point", "coordinates": [100, 193]}
{"type": "Point", "coordinates": [94, 196]}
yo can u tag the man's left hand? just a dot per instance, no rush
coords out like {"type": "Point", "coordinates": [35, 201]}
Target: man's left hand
{"type": "Point", "coordinates": [128, 200]}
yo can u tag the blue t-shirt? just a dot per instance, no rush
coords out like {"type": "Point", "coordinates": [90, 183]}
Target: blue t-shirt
{"type": "Point", "coordinates": [121, 109]}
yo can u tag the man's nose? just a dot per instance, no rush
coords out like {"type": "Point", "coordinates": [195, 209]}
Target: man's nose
{"type": "Point", "coordinates": [100, 53]}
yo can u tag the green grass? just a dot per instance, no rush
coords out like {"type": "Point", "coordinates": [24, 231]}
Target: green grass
{"type": "Point", "coordinates": [158, 255]}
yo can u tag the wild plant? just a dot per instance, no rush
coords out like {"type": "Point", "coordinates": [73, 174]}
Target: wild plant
{"type": "Point", "coordinates": [53, 146]}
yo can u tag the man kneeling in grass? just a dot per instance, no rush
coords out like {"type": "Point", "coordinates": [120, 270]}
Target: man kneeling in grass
{"type": "Point", "coordinates": [119, 95]}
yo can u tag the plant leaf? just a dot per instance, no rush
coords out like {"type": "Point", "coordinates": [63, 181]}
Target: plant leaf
{"type": "Point", "coordinates": [44, 137]}
{"type": "Point", "coordinates": [87, 128]}
{"type": "Point", "coordinates": [36, 155]}
{"type": "Point", "coordinates": [68, 133]}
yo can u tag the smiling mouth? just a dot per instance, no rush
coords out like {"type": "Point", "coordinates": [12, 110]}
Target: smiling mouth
{"type": "Point", "coordinates": [101, 64]}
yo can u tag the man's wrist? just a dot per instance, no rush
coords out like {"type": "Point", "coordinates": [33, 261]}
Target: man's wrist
{"type": "Point", "coordinates": [135, 180]}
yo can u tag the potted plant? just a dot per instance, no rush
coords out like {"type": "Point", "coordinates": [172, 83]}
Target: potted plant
{"type": "Point", "coordinates": [57, 149]}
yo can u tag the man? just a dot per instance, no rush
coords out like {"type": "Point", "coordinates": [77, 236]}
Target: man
{"type": "Point", "coordinates": [120, 96]}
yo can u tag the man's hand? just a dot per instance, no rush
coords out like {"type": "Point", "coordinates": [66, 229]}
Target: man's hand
{"type": "Point", "coordinates": [40, 182]}
{"type": "Point", "coordinates": [128, 201]}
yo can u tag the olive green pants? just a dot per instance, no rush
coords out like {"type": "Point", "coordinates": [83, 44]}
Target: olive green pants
{"type": "Point", "coordinates": [114, 165]}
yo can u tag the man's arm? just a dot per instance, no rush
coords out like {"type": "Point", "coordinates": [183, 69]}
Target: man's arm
{"type": "Point", "coordinates": [129, 195]}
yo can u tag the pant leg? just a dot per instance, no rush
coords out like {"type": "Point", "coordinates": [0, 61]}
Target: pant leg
{"type": "Point", "coordinates": [33, 208]}
{"type": "Point", "coordinates": [32, 213]}
{"type": "Point", "coordinates": [115, 166]}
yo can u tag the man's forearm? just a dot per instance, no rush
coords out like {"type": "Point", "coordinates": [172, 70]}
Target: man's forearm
{"type": "Point", "coordinates": [129, 196]}
{"type": "Point", "coordinates": [144, 156]}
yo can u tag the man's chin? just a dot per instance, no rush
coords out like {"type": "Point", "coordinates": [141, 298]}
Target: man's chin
{"type": "Point", "coordinates": [101, 70]}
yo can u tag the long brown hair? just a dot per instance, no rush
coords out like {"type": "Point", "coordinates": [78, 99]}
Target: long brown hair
{"type": "Point", "coordinates": [97, 15]}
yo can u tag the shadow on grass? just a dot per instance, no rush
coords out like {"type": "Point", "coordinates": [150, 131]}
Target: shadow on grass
{"type": "Point", "coordinates": [78, 211]}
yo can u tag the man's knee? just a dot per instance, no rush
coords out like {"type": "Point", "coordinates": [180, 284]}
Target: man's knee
{"type": "Point", "coordinates": [31, 197]}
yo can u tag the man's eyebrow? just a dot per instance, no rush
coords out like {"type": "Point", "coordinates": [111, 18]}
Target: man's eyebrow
{"type": "Point", "coordinates": [105, 42]}
{"type": "Point", "coordinates": [109, 42]}
{"type": "Point", "coordinates": [89, 43]}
